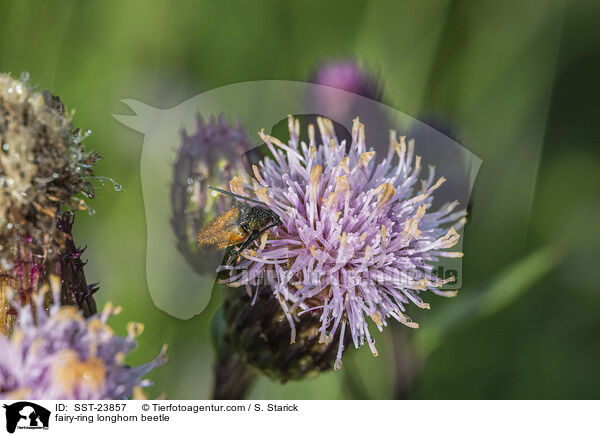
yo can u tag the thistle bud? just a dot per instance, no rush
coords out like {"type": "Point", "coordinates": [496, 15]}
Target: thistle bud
{"type": "Point", "coordinates": [43, 172]}
{"type": "Point", "coordinates": [257, 329]}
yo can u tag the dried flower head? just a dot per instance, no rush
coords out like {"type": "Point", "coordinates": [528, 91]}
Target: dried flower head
{"type": "Point", "coordinates": [209, 156]}
{"type": "Point", "coordinates": [358, 239]}
{"type": "Point", "coordinates": [43, 166]}
{"type": "Point", "coordinates": [59, 354]}
{"type": "Point", "coordinates": [43, 171]}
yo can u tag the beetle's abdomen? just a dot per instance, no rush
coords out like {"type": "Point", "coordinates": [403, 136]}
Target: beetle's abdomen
{"type": "Point", "coordinates": [222, 231]}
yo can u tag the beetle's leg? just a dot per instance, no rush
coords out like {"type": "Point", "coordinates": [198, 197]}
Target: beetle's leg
{"type": "Point", "coordinates": [265, 229]}
{"type": "Point", "coordinates": [252, 237]}
{"type": "Point", "coordinates": [236, 253]}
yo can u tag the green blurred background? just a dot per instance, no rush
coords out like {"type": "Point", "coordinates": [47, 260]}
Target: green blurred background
{"type": "Point", "coordinates": [517, 81]}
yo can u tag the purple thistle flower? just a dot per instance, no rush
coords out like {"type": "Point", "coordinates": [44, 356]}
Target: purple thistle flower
{"type": "Point", "coordinates": [347, 75]}
{"type": "Point", "coordinates": [358, 240]}
{"type": "Point", "coordinates": [59, 354]}
{"type": "Point", "coordinates": [209, 156]}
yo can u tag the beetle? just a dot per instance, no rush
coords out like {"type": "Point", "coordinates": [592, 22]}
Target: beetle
{"type": "Point", "coordinates": [240, 225]}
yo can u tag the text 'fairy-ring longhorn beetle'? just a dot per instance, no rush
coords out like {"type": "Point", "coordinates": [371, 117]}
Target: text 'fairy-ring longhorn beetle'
{"type": "Point", "coordinates": [240, 225]}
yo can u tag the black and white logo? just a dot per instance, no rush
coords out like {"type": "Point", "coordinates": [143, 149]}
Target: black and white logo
{"type": "Point", "coordinates": [26, 415]}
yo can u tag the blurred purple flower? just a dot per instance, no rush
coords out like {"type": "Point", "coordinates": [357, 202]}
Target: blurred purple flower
{"type": "Point", "coordinates": [59, 354]}
{"type": "Point", "coordinates": [357, 239]}
{"type": "Point", "coordinates": [209, 156]}
{"type": "Point", "coordinates": [347, 75]}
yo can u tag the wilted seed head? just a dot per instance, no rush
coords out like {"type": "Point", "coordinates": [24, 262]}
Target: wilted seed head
{"type": "Point", "coordinates": [43, 171]}
{"type": "Point", "coordinates": [43, 166]}
{"type": "Point", "coordinates": [209, 156]}
{"type": "Point", "coordinates": [59, 354]}
{"type": "Point", "coordinates": [358, 241]}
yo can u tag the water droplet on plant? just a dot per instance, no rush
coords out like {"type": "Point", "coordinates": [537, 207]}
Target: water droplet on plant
{"type": "Point", "coordinates": [88, 190]}
{"type": "Point", "coordinates": [5, 147]}
{"type": "Point", "coordinates": [118, 187]}
{"type": "Point", "coordinates": [9, 226]}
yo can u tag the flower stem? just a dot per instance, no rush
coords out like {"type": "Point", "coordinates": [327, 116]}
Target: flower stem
{"type": "Point", "coordinates": [233, 378]}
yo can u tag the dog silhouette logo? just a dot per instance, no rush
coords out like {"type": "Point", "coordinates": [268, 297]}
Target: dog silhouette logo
{"type": "Point", "coordinates": [26, 415]}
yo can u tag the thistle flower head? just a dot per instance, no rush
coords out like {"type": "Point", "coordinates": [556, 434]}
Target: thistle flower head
{"type": "Point", "coordinates": [59, 354]}
{"type": "Point", "coordinates": [209, 156]}
{"type": "Point", "coordinates": [358, 239]}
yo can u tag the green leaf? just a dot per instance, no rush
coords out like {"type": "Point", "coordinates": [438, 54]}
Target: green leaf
{"type": "Point", "coordinates": [485, 301]}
